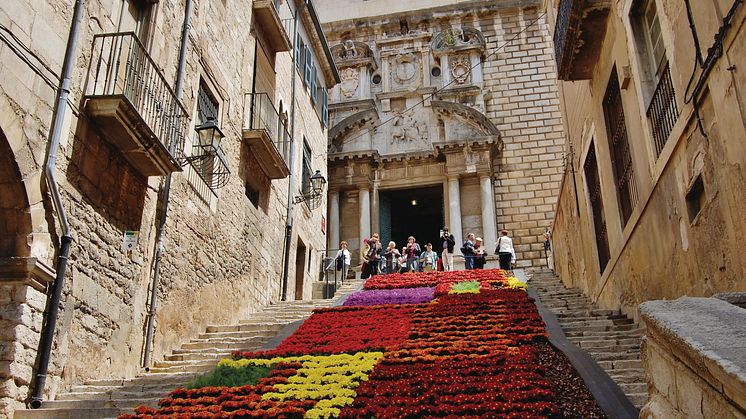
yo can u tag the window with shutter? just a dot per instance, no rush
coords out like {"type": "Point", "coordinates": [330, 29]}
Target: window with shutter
{"type": "Point", "coordinates": [298, 51]}
{"type": "Point", "coordinates": [314, 84]}
{"type": "Point", "coordinates": [324, 107]}
{"type": "Point", "coordinates": [309, 64]}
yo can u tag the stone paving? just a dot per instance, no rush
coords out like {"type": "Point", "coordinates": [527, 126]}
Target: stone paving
{"type": "Point", "coordinates": [107, 398]}
{"type": "Point", "coordinates": [609, 337]}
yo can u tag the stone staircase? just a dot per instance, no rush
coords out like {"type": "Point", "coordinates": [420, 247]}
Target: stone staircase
{"type": "Point", "coordinates": [611, 338]}
{"type": "Point", "coordinates": [108, 398]}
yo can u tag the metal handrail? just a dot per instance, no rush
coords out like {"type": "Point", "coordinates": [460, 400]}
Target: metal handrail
{"type": "Point", "coordinates": [123, 67]}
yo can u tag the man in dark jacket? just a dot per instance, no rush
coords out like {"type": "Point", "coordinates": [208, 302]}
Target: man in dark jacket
{"type": "Point", "coordinates": [448, 243]}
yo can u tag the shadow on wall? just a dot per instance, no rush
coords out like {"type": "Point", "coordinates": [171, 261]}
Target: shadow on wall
{"type": "Point", "coordinates": [15, 216]}
{"type": "Point", "coordinates": [112, 187]}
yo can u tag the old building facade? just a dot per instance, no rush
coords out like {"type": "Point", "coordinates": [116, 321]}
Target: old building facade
{"type": "Point", "coordinates": [255, 73]}
{"type": "Point", "coordinates": [651, 205]}
{"type": "Point", "coordinates": [447, 114]}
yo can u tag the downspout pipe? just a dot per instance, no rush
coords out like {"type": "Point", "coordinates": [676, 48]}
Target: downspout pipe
{"type": "Point", "coordinates": [291, 184]}
{"type": "Point", "coordinates": [164, 199]}
{"type": "Point", "coordinates": [66, 239]}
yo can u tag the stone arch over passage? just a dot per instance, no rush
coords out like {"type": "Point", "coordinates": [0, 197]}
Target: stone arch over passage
{"type": "Point", "coordinates": [15, 214]}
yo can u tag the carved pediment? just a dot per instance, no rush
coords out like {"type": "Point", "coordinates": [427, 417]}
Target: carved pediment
{"type": "Point", "coordinates": [353, 53]}
{"type": "Point", "coordinates": [458, 39]}
{"type": "Point", "coordinates": [469, 122]}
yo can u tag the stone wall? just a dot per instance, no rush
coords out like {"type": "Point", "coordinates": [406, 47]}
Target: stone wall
{"type": "Point", "coordinates": [223, 256]}
{"type": "Point", "coordinates": [694, 359]}
{"type": "Point", "coordinates": [672, 245]}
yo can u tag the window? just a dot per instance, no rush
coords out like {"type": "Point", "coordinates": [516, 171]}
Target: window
{"type": "Point", "coordinates": [658, 91]}
{"type": "Point", "coordinates": [590, 168]}
{"type": "Point", "coordinates": [204, 168]}
{"type": "Point", "coordinates": [621, 155]}
{"type": "Point", "coordinates": [300, 49]}
{"type": "Point", "coordinates": [324, 107]}
{"type": "Point", "coordinates": [695, 198]}
{"type": "Point", "coordinates": [308, 65]}
{"type": "Point", "coordinates": [307, 170]}
{"type": "Point", "coordinates": [253, 195]}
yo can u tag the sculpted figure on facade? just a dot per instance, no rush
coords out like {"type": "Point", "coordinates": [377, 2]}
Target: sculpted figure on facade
{"type": "Point", "coordinates": [408, 129]}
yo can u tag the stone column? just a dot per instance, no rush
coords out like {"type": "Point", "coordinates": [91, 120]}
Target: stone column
{"type": "Point", "coordinates": [454, 208]}
{"type": "Point", "coordinates": [364, 213]}
{"type": "Point", "coordinates": [376, 210]}
{"type": "Point", "coordinates": [364, 82]}
{"type": "Point", "coordinates": [334, 225]}
{"type": "Point", "coordinates": [489, 228]}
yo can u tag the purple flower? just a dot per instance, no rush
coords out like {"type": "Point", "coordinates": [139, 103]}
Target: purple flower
{"type": "Point", "coordinates": [395, 296]}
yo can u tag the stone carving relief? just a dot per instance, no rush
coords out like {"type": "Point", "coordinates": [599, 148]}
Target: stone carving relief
{"type": "Point", "coordinates": [404, 69]}
{"type": "Point", "coordinates": [350, 81]}
{"type": "Point", "coordinates": [460, 69]}
{"type": "Point", "coordinates": [407, 129]}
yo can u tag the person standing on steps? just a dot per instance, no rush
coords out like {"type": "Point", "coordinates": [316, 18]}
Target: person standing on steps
{"type": "Point", "coordinates": [429, 259]}
{"type": "Point", "coordinates": [364, 270]}
{"type": "Point", "coordinates": [448, 243]}
{"type": "Point", "coordinates": [392, 256]}
{"type": "Point", "coordinates": [480, 256]}
{"type": "Point", "coordinates": [468, 251]}
{"type": "Point", "coordinates": [343, 259]}
{"type": "Point", "coordinates": [505, 251]}
{"type": "Point", "coordinates": [548, 250]}
{"type": "Point", "coordinates": [374, 255]}
{"type": "Point", "coordinates": [413, 252]}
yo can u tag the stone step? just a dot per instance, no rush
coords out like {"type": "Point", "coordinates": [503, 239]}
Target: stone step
{"type": "Point", "coordinates": [615, 356]}
{"type": "Point", "coordinates": [618, 334]}
{"type": "Point", "coordinates": [188, 363]}
{"type": "Point", "coordinates": [241, 327]}
{"type": "Point", "coordinates": [146, 379]}
{"type": "Point", "coordinates": [634, 388]}
{"type": "Point", "coordinates": [590, 313]}
{"type": "Point", "coordinates": [218, 341]}
{"type": "Point", "coordinates": [234, 346]}
{"type": "Point", "coordinates": [114, 395]}
{"type": "Point", "coordinates": [58, 413]}
{"type": "Point", "coordinates": [627, 376]}
{"type": "Point", "coordinates": [595, 344]}
{"type": "Point", "coordinates": [184, 368]}
{"type": "Point", "coordinates": [198, 356]}
{"type": "Point", "coordinates": [99, 404]}
{"type": "Point", "coordinates": [638, 399]}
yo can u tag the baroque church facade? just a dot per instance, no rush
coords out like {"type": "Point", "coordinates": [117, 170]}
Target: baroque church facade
{"type": "Point", "coordinates": [447, 114]}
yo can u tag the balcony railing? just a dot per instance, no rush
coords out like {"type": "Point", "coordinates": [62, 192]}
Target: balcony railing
{"type": "Point", "coordinates": [267, 135]}
{"type": "Point", "coordinates": [272, 18]}
{"type": "Point", "coordinates": [663, 111]}
{"type": "Point", "coordinates": [578, 35]}
{"type": "Point", "coordinates": [134, 105]}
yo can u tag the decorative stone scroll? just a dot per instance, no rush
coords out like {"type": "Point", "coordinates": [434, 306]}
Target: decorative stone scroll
{"type": "Point", "coordinates": [460, 69]}
{"type": "Point", "coordinates": [454, 39]}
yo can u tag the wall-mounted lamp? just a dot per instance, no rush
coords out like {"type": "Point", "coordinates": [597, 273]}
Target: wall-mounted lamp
{"type": "Point", "coordinates": [313, 196]}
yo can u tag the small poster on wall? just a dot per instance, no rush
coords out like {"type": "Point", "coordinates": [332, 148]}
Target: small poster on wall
{"type": "Point", "coordinates": [323, 225]}
{"type": "Point", "coordinates": [129, 240]}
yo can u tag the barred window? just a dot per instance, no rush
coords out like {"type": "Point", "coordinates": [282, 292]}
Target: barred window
{"type": "Point", "coordinates": [590, 168]}
{"type": "Point", "coordinates": [621, 154]}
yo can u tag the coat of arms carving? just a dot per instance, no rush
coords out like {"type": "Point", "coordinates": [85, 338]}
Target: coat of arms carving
{"type": "Point", "coordinates": [350, 82]}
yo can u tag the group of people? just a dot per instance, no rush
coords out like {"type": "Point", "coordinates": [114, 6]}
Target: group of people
{"type": "Point", "coordinates": [411, 258]}
{"type": "Point", "coordinates": [475, 255]}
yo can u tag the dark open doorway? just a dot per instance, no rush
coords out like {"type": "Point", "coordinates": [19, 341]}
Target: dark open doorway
{"type": "Point", "coordinates": [300, 269]}
{"type": "Point", "coordinates": [414, 212]}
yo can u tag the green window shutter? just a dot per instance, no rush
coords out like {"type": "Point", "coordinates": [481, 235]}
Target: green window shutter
{"type": "Point", "coordinates": [324, 107]}
{"type": "Point", "coordinates": [309, 64]}
{"type": "Point", "coordinates": [298, 51]}
{"type": "Point", "coordinates": [314, 83]}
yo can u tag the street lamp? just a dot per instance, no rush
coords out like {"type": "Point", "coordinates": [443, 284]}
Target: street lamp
{"type": "Point", "coordinates": [313, 197]}
{"type": "Point", "coordinates": [209, 134]}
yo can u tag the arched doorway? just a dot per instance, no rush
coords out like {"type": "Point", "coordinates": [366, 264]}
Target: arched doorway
{"type": "Point", "coordinates": [15, 216]}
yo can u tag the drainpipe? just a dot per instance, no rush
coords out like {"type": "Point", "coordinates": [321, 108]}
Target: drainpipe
{"type": "Point", "coordinates": [289, 218]}
{"type": "Point", "coordinates": [53, 299]}
{"type": "Point", "coordinates": [164, 199]}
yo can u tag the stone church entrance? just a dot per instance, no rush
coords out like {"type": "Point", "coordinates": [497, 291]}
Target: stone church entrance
{"type": "Point", "coordinates": [414, 212]}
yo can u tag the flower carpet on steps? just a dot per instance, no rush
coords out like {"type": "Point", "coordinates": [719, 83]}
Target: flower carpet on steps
{"type": "Point", "coordinates": [440, 344]}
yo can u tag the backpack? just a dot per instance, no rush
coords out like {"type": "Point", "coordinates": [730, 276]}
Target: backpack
{"type": "Point", "coordinates": [339, 262]}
